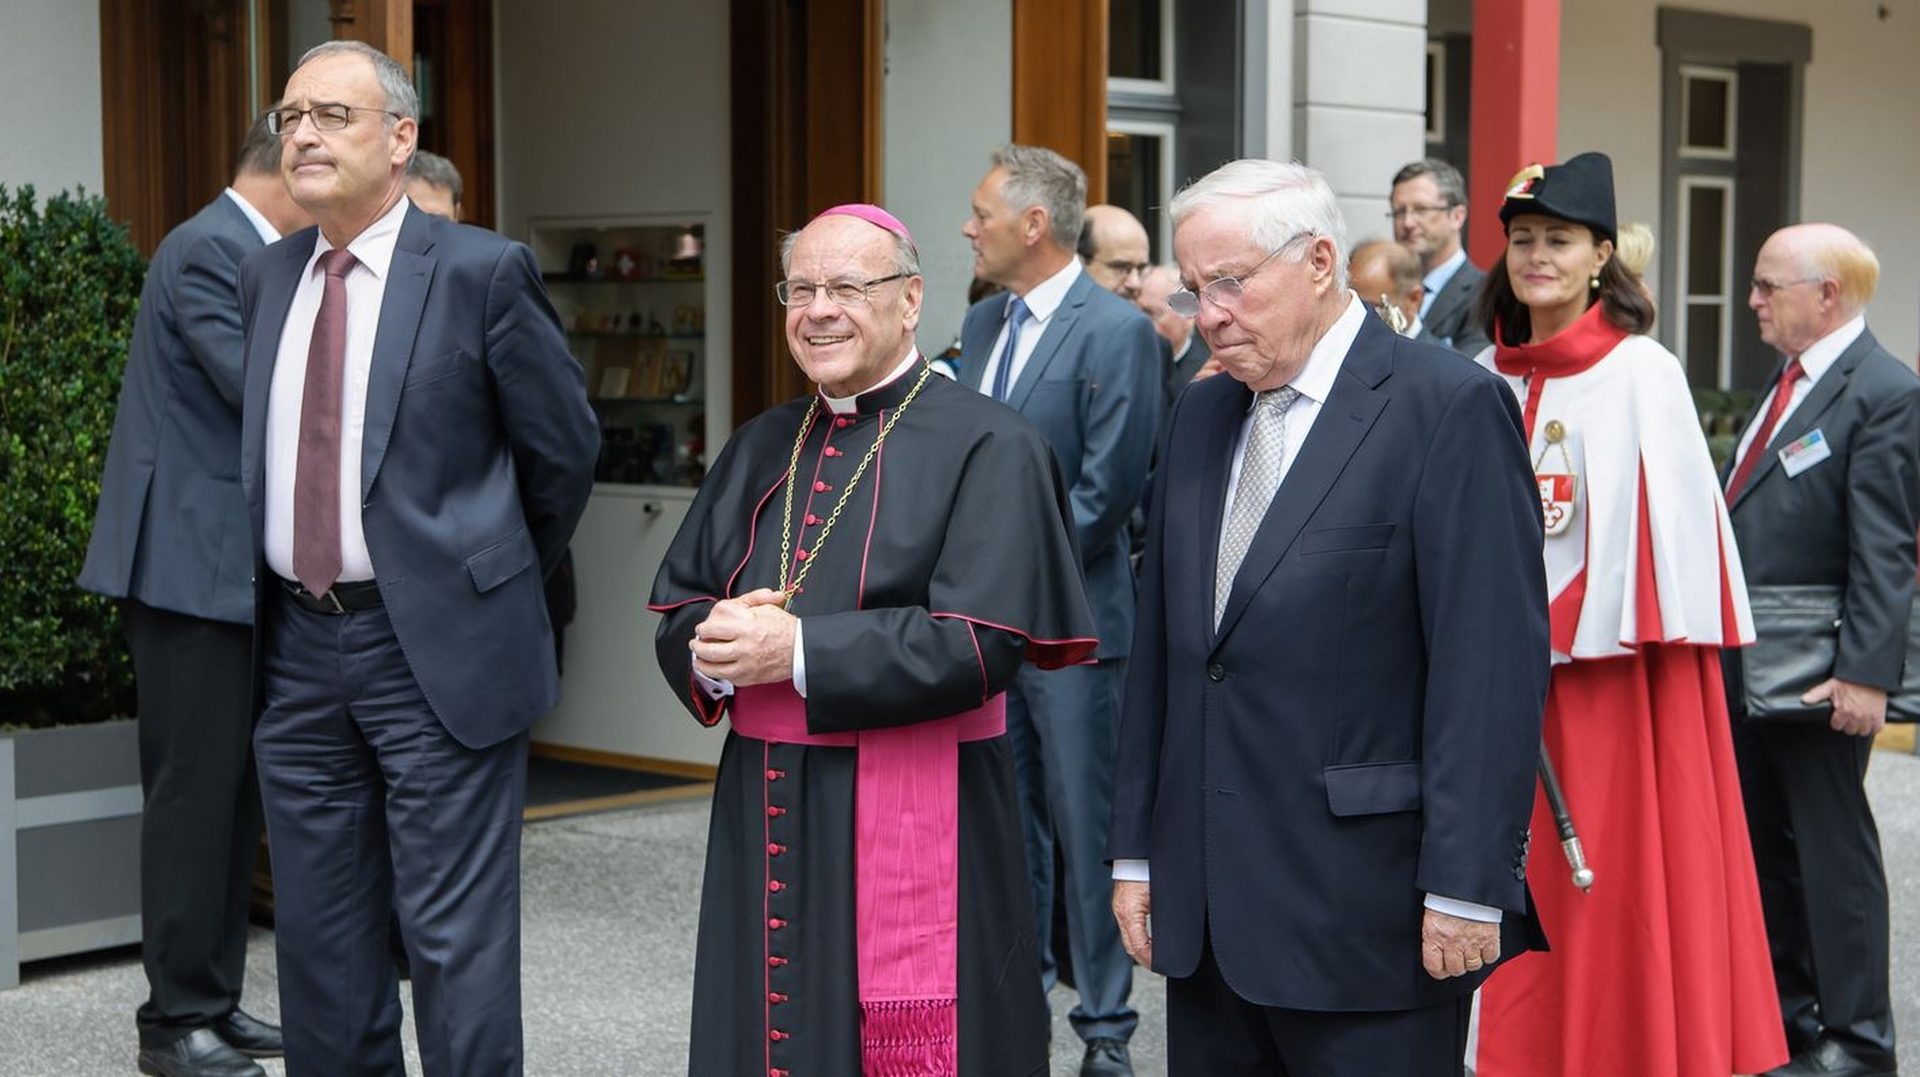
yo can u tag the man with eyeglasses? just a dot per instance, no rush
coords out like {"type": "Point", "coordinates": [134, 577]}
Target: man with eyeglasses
{"type": "Point", "coordinates": [1083, 365]}
{"type": "Point", "coordinates": [170, 541]}
{"type": "Point", "coordinates": [1429, 215]}
{"type": "Point", "coordinates": [1824, 492]}
{"type": "Point", "coordinates": [1113, 245]}
{"type": "Point", "coordinates": [416, 449]}
{"type": "Point", "coordinates": [861, 576]}
{"type": "Point", "coordinates": [1326, 764]}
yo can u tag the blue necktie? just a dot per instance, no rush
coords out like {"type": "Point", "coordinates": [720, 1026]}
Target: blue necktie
{"type": "Point", "coordinates": [1017, 314]}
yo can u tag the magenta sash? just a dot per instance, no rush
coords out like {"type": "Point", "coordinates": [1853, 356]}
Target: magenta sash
{"type": "Point", "coordinates": [906, 871]}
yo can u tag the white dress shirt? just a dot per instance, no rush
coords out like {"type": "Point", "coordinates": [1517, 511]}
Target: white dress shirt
{"type": "Point", "coordinates": [1041, 300]}
{"type": "Point", "coordinates": [1814, 362]}
{"type": "Point", "coordinates": [268, 233]}
{"type": "Point", "coordinates": [1313, 383]}
{"type": "Point", "coordinates": [366, 288]}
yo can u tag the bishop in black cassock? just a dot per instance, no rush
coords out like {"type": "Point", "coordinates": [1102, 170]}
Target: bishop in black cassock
{"type": "Point", "coordinates": [865, 907]}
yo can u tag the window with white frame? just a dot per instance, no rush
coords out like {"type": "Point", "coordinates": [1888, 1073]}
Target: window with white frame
{"type": "Point", "coordinates": [1143, 114]}
{"type": "Point", "coordinates": [1709, 97]}
{"type": "Point", "coordinates": [1704, 321]}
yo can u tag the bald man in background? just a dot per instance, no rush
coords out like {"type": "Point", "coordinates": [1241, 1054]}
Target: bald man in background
{"type": "Point", "coordinates": [1188, 356]}
{"type": "Point", "coordinates": [1387, 277]}
{"type": "Point", "coordinates": [1113, 244]}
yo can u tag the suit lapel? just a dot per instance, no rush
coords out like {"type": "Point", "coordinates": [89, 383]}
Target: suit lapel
{"type": "Point", "coordinates": [408, 278]}
{"type": "Point", "coordinates": [1808, 414]}
{"type": "Point", "coordinates": [1349, 413]}
{"type": "Point", "coordinates": [976, 344]}
{"type": "Point", "coordinates": [277, 285]}
{"type": "Point", "coordinates": [1058, 327]}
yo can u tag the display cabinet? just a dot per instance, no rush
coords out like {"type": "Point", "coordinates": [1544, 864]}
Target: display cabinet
{"type": "Point", "coordinates": [633, 295]}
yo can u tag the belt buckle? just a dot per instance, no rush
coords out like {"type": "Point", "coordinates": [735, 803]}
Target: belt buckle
{"type": "Point", "coordinates": [333, 596]}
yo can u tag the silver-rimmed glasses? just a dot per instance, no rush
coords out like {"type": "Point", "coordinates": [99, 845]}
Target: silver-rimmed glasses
{"type": "Point", "coordinates": [1223, 291]}
{"type": "Point", "coordinates": [842, 293]}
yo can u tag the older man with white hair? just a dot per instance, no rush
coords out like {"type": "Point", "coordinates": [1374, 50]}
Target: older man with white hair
{"type": "Point", "coordinates": [1327, 751]}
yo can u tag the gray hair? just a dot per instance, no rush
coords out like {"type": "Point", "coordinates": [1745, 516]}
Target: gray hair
{"type": "Point", "coordinates": [1280, 202]}
{"type": "Point", "coordinates": [395, 83]}
{"type": "Point", "coordinates": [1037, 176]}
{"type": "Point", "coordinates": [906, 258]}
{"type": "Point", "coordinates": [260, 152]}
{"type": "Point", "coordinates": [1453, 187]}
{"type": "Point", "coordinates": [435, 170]}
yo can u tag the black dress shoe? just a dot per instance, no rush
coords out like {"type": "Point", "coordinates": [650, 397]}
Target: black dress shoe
{"type": "Point", "coordinates": [1826, 1058]}
{"type": "Point", "coordinates": [200, 1053]}
{"type": "Point", "coordinates": [1106, 1058]}
{"type": "Point", "coordinates": [249, 1035]}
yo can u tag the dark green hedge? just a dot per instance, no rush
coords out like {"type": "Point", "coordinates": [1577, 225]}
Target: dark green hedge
{"type": "Point", "coordinates": [69, 284]}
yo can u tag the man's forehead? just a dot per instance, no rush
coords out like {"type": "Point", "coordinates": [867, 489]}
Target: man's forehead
{"type": "Point", "coordinates": [1213, 242]}
{"type": "Point", "coordinates": [327, 78]}
{"type": "Point", "coordinates": [840, 247]}
{"type": "Point", "coordinates": [1418, 185]}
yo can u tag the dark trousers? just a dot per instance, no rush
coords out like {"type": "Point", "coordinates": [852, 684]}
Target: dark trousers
{"type": "Point", "coordinates": [1823, 888]}
{"type": "Point", "coordinates": [201, 823]}
{"type": "Point", "coordinates": [372, 808]}
{"type": "Point", "coordinates": [1062, 726]}
{"type": "Point", "coordinates": [1211, 1030]}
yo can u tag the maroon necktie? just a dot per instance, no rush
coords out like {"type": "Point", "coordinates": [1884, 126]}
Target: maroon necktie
{"type": "Point", "coordinates": [316, 474]}
{"type": "Point", "coordinates": [1757, 448]}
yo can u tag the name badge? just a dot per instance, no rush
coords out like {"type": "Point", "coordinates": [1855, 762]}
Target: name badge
{"type": "Point", "coordinates": [1556, 501]}
{"type": "Point", "coordinates": [1803, 453]}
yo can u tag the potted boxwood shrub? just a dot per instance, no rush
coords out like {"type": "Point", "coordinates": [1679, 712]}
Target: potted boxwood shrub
{"type": "Point", "coordinates": [69, 764]}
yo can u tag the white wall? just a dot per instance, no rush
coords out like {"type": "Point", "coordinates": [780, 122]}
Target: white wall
{"type": "Point", "coordinates": [50, 74]}
{"type": "Point", "coordinates": [949, 100]}
{"type": "Point", "coordinates": [1359, 99]}
{"type": "Point", "coordinates": [1861, 132]}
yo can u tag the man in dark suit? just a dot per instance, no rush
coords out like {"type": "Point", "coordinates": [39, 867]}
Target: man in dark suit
{"type": "Point", "coordinates": [1327, 756]}
{"type": "Point", "coordinates": [1429, 214]}
{"type": "Point", "coordinates": [1186, 349]}
{"type": "Point", "coordinates": [1082, 364]}
{"type": "Point", "coordinates": [1824, 489]}
{"type": "Point", "coordinates": [417, 447]}
{"type": "Point", "coordinates": [170, 540]}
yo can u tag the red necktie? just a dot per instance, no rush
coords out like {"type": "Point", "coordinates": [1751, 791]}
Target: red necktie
{"type": "Point", "coordinates": [1757, 448]}
{"type": "Point", "coordinates": [316, 474]}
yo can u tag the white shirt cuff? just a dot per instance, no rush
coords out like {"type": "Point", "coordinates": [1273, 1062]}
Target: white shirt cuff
{"type": "Point", "coordinates": [715, 687]}
{"type": "Point", "coordinates": [1465, 910]}
{"type": "Point", "coordinates": [799, 660]}
{"type": "Point", "coordinates": [1130, 871]}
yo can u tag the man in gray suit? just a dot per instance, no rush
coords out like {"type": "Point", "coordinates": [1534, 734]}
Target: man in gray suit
{"type": "Point", "coordinates": [1429, 213]}
{"type": "Point", "coordinates": [416, 447]}
{"type": "Point", "coordinates": [1082, 364]}
{"type": "Point", "coordinates": [170, 541]}
{"type": "Point", "coordinates": [1824, 490]}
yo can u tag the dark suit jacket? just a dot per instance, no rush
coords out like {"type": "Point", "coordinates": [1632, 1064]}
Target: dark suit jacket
{"type": "Point", "coordinates": [1362, 730]}
{"type": "Point", "coordinates": [1451, 316]}
{"type": "Point", "coordinates": [1848, 521]}
{"type": "Point", "coordinates": [176, 436]}
{"type": "Point", "coordinates": [1093, 388]}
{"type": "Point", "coordinates": [1180, 371]}
{"type": "Point", "coordinates": [477, 459]}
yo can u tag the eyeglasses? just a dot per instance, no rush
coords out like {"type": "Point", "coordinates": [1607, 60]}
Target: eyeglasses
{"type": "Point", "coordinates": [1415, 211]}
{"type": "Point", "coordinates": [1766, 287]}
{"type": "Point", "coordinates": [1223, 291]}
{"type": "Point", "coordinates": [842, 293]}
{"type": "Point", "coordinates": [285, 121]}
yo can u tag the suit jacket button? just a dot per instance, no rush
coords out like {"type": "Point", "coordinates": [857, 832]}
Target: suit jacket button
{"type": "Point", "coordinates": [1216, 672]}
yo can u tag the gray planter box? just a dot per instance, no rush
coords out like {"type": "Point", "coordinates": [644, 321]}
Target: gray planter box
{"type": "Point", "coordinates": [69, 842]}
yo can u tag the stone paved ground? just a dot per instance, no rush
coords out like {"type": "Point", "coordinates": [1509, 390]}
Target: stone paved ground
{"type": "Point", "coordinates": [610, 905]}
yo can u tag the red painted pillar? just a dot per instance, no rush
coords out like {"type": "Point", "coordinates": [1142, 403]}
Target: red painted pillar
{"type": "Point", "coordinates": [1516, 108]}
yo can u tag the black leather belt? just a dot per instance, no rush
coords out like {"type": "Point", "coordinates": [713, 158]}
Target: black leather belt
{"type": "Point", "coordinates": [340, 598]}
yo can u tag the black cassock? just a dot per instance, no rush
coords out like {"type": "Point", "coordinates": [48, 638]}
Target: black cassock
{"type": "Point", "coordinates": [951, 563]}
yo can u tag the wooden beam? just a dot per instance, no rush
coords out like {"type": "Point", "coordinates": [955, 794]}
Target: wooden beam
{"type": "Point", "coordinates": [1060, 82]}
{"type": "Point", "coordinates": [387, 25]}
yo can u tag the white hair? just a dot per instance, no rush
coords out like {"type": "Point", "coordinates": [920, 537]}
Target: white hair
{"type": "Point", "coordinates": [1279, 201]}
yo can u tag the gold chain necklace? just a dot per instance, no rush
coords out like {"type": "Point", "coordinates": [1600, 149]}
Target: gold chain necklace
{"type": "Point", "coordinates": [793, 475]}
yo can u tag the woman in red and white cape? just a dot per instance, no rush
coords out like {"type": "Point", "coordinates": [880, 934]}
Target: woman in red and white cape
{"type": "Point", "coordinates": [1661, 970]}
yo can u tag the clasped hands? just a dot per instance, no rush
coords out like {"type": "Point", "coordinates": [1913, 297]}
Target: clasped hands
{"type": "Point", "coordinates": [1449, 945]}
{"type": "Point", "coordinates": [746, 640]}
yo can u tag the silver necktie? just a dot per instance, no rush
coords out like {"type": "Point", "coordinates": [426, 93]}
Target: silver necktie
{"type": "Point", "coordinates": [1259, 478]}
